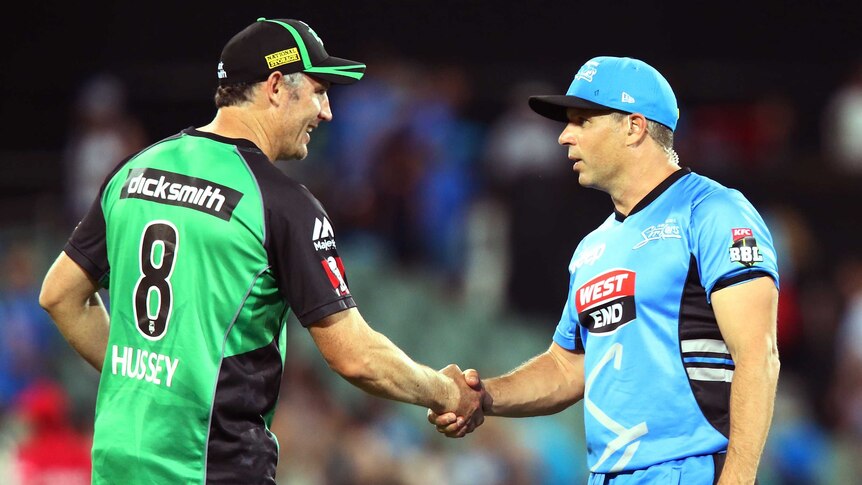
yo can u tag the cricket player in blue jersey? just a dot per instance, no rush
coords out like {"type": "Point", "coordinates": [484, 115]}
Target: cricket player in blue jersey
{"type": "Point", "coordinates": [668, 333]}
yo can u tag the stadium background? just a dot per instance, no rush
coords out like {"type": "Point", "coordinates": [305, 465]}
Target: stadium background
{"type": "Point", "coordinates": [456, 214]}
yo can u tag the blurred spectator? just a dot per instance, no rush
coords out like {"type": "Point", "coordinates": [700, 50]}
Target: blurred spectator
{"type": "Point", "coordinates": [103, 132]}
{"type": "Point", "coordinates": [28, 339]}
{"type": "Point", "coordinates": [366, 117]}
{"type": "Point", "coordinates": [820, 310]}
{"type": "Point", "coordinates": [795, 245]}
{"type": "Point", "coordinates": [798, 450]}
{"type": "Point", "coordinates": [306, 423]}
{"type": "Point", "coordinates": [520, 144]}
{"type": "Point", "coordinates": [448, 182]}
{"type": "Point", "coordinates": [774, 123]}
{"type": "Point", "coordinates": [743, 138]}
{"type": "Point", "coordinates": [842, 124]}
{"type": "Point", "coordinates": [369, 441]}
{"type": "Point", "coordinates": [495, 457]}
{"type": "Point", "coordinates": [399, 163]}
{"type": "Point", "coordinates": [848, 382]}
{"type": "Point", "coordinates": [529, 181]}
{"type": "Point", "coordinates": [52, 451]}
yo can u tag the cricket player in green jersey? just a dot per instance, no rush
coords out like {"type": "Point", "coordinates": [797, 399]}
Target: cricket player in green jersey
{"type": "Point", "coordinates": [206, 248]}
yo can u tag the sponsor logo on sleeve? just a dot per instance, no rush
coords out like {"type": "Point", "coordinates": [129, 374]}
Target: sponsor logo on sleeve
{"type": "Point", "coordinates": [334, 269]}
{"type": "Point", "coordinates": [607, 302]}
{"type": "Point", "coordinates": [323, 236]}
{"type": "Point", "coordinates": [744, 248]}
{"type": "Point", "coordinates": [180, 190]}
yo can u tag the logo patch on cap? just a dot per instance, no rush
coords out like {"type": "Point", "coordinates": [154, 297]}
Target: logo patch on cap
{"type": "Point", "coordinates": [281, 58]}
{"type": "Point", "coordinates": [587, 72]}
{"type": "Point", "coordinates": [312, 32]}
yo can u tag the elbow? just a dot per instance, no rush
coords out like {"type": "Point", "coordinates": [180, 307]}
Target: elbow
{"type": "Point", "coordinates": [773, 362]}
{"type": "Point", "coordinates": [765, 361]}
{"type": "Point", "coordinates": [50, 299]}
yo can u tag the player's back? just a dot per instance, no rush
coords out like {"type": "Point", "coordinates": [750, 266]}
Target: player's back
{"type": "Point", "coordinates": [196, 345]}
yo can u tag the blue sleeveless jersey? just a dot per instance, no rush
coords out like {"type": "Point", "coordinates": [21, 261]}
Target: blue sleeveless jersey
{"type": "Point", "coordinates": [657, 370]}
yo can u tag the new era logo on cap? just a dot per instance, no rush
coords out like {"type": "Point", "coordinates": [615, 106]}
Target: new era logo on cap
{"type": "Point", "coordinates": [627, 98]}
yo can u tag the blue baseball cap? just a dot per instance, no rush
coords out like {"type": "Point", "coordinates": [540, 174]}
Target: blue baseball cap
{"type": "Point", "coordinates": [619, 83]}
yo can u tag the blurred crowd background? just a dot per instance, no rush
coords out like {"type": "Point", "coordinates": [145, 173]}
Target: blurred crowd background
{"type": "Point", "coordinates": [455, 210]}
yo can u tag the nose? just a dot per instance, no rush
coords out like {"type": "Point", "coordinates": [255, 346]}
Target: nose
{"type": "Point", "coordinates": [325, 110]}
{"type": "Point", "coordinates": [567, 137]}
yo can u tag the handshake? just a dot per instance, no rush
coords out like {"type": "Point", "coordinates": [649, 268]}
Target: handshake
{"type": "Point", "coordinates": [466, 409]}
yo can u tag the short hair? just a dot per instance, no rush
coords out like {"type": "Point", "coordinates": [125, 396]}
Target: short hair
{"type": "Point", "coordinates": [657, 131]}
{"type": "Point", "coordinates": [241, 93]}
{"type": "Point", "coordinates": [661, 134]}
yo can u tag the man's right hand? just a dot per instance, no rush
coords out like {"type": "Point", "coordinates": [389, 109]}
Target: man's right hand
{"type": "Point", "coordinates": [470, 413]}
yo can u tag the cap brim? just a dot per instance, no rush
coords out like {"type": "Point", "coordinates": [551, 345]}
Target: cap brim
{"type": "Point", "coordinates": [337, 70]}
{"type": "Point", "coordinates": [554, 106]}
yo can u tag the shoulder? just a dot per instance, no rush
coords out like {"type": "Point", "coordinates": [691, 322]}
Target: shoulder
{"type": "Point", "coordinates": [707, 195]}
{"type": "Point", "coordinates": [282, 195]}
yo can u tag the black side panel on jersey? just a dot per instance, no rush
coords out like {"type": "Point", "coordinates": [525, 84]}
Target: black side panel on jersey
{"type": "Point", "coordinates": [300, 244]}
{"type": "Point", "coordinates": [240, 445]}
{"type": "Point", "coordinates": [697, 324]}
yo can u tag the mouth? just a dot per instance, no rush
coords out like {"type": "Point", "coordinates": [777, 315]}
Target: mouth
{"type": "Point", "coordinates": [308, 133]}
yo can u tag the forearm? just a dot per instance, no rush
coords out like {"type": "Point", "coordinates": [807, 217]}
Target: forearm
{"type": "Point", "coordinates": [752, 397]}
{"type": "Point", "coordinates": [546, 384]}
{"type": "Point", "coordinates": [384, 370]}
{"type": "Point", "coordinates": [369, 360]}
{"type": "Point", "coordinates": [84, 324]}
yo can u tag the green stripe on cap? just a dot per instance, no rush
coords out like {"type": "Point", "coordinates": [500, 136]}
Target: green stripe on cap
{"type": "Point", "coordinates": [303, 52]}
{"type": "Point", "coordinates": [339, 71]}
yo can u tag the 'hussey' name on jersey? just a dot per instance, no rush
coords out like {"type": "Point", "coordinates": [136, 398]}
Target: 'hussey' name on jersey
{"type": "Point", "coordinates": [143, 365]}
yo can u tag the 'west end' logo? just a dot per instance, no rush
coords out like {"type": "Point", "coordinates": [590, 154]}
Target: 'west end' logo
{"type": "Point", "coordinates": [180, 190]}
{"type": "Point", "coordinates": [607, 302]}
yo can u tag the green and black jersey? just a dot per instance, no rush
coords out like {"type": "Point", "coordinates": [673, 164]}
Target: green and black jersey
{"type": "Point", "coordinates": [205, 248]}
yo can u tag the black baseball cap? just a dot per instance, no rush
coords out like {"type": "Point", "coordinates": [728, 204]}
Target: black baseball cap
{"type": "Point", "coordinates": [285, 45]}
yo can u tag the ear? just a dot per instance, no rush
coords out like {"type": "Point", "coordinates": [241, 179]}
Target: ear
{"type": "Point", "coordinates": [273, 86]}
{"type": "Point", "coordinates": [636, 131]}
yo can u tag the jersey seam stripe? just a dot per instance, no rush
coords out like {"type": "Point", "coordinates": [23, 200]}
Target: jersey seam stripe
{"type": "Point", "coordinates": [221, 362]}
{"type": "Point", "coordinates": [259, 194]}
